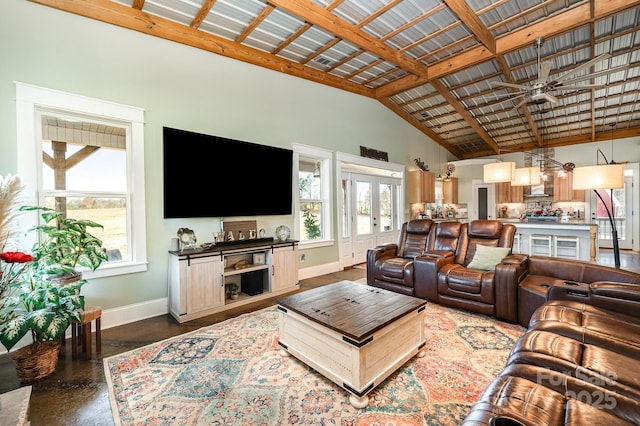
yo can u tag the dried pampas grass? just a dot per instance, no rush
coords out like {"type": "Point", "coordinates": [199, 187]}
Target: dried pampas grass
{"type": "Point", "coordinates": [10, 188]}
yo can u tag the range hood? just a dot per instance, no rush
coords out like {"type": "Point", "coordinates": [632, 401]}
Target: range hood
{"type": "Point", "coordinates": [537, 191]}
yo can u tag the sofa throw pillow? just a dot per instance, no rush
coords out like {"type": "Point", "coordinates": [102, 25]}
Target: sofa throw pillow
{"type": "Point", "coordinates": [487, 258]}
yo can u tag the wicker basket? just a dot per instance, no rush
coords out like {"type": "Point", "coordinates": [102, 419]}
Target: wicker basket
{"type": "Point", "coordinates": [35, 362]}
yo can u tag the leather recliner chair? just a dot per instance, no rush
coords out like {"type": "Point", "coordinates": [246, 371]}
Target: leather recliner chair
{"type": "Point", "coordinates": [446, 279]}
{"type": "Point", "coordinates": [390, 266]}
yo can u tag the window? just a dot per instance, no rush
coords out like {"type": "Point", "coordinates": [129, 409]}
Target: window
{"type": "Point", "coordinates": [83, 152]}
{"type": "Point", "coordinates": [313, 219]}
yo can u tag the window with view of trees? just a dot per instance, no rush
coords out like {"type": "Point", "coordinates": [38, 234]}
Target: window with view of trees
{"type": "Point", "coordinates": [313, 219]}
{"type": "Point", "coordinates": [86, 167]}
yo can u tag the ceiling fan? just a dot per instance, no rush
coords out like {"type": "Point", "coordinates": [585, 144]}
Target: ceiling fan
{"type": "Point", "coordinates": [541, 89]}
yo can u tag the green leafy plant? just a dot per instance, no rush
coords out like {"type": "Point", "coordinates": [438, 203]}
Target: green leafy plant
{"type": "Point", "coordinates": [311, 225]}
{"type": "Point", "coordinates": [65, 244]}
{"type": "Point", "coordinates": [34, 304]}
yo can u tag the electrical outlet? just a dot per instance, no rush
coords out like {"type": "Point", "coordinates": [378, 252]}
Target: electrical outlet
{"type": "Point", "coordinates": [302, 257]}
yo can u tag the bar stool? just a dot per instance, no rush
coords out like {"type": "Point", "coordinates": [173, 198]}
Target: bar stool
{"type": "Point", "coordinates": [82, 330]}
{"type": "Point", "coordinates": [566, 246]}
{"type": "Point", "coordinates": [540, 241]}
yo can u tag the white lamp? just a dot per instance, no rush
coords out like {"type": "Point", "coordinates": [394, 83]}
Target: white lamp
{"type": "Point", "coordinates": [526, 176]}
{"type": "Point", "coordinates": [499, 172]}
{"type": "Point", "coordinates": [603, 176]}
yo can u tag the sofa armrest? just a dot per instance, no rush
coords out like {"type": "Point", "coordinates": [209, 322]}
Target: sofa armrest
{"type": "Point", "coordinates": [377, 253]}
{"type": "Point", "coordinates": [614, 296]}
{"type": "Point", "coordinates": [425, 273]}
{"type": "Point", "coordinates": [437, 254]}
{"type": "Point", "coordinates": [507, 277]}
{"type": "Point", "coordinates": [515, 259]}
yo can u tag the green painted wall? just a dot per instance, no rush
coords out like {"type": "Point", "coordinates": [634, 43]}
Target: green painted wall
{"type": "Point", "coordinates": [186, 88]}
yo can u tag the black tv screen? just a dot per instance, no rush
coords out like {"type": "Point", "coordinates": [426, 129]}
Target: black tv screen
{"type": "Point", "coordinates": [212, 176]}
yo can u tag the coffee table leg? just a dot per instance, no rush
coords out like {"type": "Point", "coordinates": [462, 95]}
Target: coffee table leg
{"type": "Point", "coordinates": [284, 353]}
{"type": "Point", "coordinates": [421, 354]}
{"type": "Point", "coordinates": [359, 402]}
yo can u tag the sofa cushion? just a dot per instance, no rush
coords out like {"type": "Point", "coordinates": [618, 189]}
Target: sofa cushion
{"type": "Point", "coordinates": [487, 257]}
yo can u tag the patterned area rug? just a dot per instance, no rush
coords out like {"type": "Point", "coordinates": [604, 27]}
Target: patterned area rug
{"type": "Point", "coordinates": [231, 373]}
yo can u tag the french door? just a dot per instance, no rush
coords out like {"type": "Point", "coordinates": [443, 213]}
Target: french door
{"type": "Point", "coordinates": [370, 214]}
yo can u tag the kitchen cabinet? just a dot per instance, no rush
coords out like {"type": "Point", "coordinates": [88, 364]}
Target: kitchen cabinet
{"type": "Point", "coordinates": [505, 193]}
{"type": "Point", "coordinates": [422, 187]}
{"type": "Point", "coordinates": [450, 191]}
{"type": "Point", "coordinates": [563, 188]}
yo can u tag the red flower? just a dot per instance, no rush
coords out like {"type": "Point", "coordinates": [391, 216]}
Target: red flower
{"type": "Point", "coordinates": [16, 257]}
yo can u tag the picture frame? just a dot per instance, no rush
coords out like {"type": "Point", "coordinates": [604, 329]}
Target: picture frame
{"type": "Point", "coordinates": [258, 259]}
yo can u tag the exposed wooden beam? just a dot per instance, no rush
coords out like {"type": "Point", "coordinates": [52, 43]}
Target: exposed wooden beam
{"type": "Point", "coordinates": [319, 16]}
{"type": "Point", "coordinates": [471, 20]}
{"type": "Point", "coordinates": [133, 19]}
{"type": "Point", "coordinates": [418, 125]}
{"type": "Point", "coordinates": [464, 113]}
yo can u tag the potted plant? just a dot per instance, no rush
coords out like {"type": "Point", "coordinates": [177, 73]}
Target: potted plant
{"type": "Point", "coordinates": [29, 302]}
{"type": "Point", "coordinates": [233, 290]}
{"type": "Point", "coordinates": [65, 244]}
{"type": "Point", "coordinates": [33, 304]}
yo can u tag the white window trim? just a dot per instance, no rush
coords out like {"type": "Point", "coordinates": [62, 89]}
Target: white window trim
{"type": "Point", "coordinates": [31, 99]}
{"type": "Point", "coordinates": [326, 167]}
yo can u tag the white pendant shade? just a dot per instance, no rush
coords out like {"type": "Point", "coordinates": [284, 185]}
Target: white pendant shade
{"type": "Point", "coordinates": [499, 172]}
{"type": "Point", "coordinates": [526, 176]}
{"type": "Point", "coordinates": [605, 176]}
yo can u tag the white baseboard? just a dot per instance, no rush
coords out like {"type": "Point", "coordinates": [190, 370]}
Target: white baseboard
{"type": "Point", "coordinates": [136, 312]}
{"type": "Point", "coordinates": [317, 270]}
{"type": "Point", "coordinates": [152, 308]}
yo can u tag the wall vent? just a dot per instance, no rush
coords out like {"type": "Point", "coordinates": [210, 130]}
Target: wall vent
{"type": "Point", "coordinates": [322, 60]}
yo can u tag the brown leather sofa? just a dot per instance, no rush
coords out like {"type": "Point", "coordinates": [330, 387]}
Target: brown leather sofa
{"type": "Point", "coordinates": [443, 275]}
{"type": "Point", "coordinates": [434, 266]}
{"type": "Point", "coordinates": [543, 272]}
{"type": "Point", "coordinates": [390, 265]}
{"type": "Point", "coordinates": [577, 363]}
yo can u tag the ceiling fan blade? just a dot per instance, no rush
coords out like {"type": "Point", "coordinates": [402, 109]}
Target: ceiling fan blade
{"type": "Point", "coordinates": [582, 67]}
{"type": "Point", "coordinates": [579, 86]}
{"type": "Point", "coordinates": [544, 71]}
{"type": "Point", "coordinates": [513, 86]}
{"type": "Point", "coordinates": [551, 98]}
{"type": "Point", "coordinates": [496, 96]}
{"type": "Point", "coordinates": [522, 102]}
{"type": "Point", "coordinates": [598, 74]}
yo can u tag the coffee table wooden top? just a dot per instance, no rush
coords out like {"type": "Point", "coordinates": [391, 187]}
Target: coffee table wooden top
{"type": "Point", "coordinates": [352, 309]}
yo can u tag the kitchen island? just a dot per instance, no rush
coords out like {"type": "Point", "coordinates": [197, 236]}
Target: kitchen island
{"type": "Point", "coordinates": [587, 234]}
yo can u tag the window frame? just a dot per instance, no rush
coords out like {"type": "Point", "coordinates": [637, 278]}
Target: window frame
{"type": "Point", "coordinates": [31, 103]}
{"type": "Point", "coordinates": [324, 157]}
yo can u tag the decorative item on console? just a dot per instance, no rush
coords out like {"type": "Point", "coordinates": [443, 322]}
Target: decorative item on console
{"type": "Point", "coordinates": [283, 233]}
{"type": "Point", "coordinates": [187, 238]}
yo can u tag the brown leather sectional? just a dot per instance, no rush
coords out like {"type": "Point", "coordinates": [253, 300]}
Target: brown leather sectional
{"type": "Point", "coordinates": [578, 363]}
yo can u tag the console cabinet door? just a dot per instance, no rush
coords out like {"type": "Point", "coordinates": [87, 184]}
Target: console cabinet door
{"type": "Point", "coordinates": [205, 287]}
{"type": "Point", "coordinates": [285, 267]}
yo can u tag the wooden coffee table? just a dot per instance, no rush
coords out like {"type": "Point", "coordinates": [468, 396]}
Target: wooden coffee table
{"type": "Point", "coordinates": [353, 334]}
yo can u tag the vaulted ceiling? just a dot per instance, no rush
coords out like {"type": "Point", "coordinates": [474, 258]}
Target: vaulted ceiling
{"type": "Point", "coordinates": [435, 63]}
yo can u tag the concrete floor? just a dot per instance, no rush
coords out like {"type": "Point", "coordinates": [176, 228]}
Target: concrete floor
{"type": "Point", "coordinates": [76, 394]}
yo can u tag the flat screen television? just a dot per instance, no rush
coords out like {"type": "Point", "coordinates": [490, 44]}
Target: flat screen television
{"type": "Point", "coordinates": [212, 176]}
